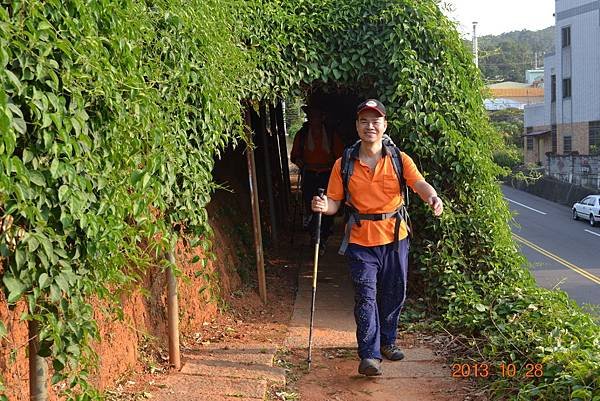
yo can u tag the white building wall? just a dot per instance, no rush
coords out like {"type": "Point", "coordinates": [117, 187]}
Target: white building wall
{"type": "Point", "coordinates": [558, 62]}
{"type": "Point", "coordinates": [566, 5]}
{"type": "Point", "coordinates": [585, 37]}
{"type": "Point", "coordinates": [535, 115]}
{"type": "Point", "coordinates": [580, 62]}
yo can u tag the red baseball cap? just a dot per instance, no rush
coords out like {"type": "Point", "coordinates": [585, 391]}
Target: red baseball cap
{"type": "Point", "coordinates": [371, 104]}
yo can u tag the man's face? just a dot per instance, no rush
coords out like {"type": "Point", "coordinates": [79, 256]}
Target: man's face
{"type": "Point", "coordinates": [370, 126]}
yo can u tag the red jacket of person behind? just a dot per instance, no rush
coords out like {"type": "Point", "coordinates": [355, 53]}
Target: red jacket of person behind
{"type": "Point", "coordinates": [316, 148]}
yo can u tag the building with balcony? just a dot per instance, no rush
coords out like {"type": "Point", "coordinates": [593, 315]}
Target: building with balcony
{"type": "Point", "coordinates": [568, 121]}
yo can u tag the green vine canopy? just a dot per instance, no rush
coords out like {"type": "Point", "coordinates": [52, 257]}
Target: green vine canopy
{"type": "Point", "coordinates": [112, 114]}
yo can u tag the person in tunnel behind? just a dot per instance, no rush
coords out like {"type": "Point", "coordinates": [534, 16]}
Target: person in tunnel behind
{"type": "Point", "coordinates": [316, 147]}
{"type": "Point", "coordinates": [369, 179]}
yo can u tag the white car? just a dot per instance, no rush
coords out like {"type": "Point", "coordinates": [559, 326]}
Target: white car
{"type": "Point", "coordinates": [588, 208]}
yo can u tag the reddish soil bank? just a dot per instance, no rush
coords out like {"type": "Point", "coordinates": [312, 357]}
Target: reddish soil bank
{"type": "Point", "coordinates": [138, 343]}
{"type": "Point", "coordinates": [144, 323]}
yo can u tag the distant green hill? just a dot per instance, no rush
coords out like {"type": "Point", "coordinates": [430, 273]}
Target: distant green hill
{"type": "Point", "coordinates": [505, 57]}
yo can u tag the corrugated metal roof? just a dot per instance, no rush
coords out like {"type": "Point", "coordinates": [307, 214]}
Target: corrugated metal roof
{"type": "Point", "coordinates": [528, 91]}
{"type": "Point", "coordinates": [509, 84]}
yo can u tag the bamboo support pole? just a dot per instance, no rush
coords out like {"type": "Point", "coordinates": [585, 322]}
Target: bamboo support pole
{"type": "Point", "coordinates": [281, 131]}
{"type": "Point", "coordinates": [260, 262]}
{"type": "Point", "coordinates": [281, 197]}
{"type": "Point", "coordinates": [173, 315]}
{"type": "Point", "coordinates": [269, 179]}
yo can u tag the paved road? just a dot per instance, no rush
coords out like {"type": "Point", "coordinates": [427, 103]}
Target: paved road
{"type": "Point", "coordinates": [562, 253]}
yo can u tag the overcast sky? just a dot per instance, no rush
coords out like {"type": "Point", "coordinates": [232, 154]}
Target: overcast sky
{"type": "Point", "coordinates": [498, 16]}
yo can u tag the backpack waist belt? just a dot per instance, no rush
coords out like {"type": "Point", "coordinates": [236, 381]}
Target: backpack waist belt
{"type": "Point", "coordinates": [355, 218]}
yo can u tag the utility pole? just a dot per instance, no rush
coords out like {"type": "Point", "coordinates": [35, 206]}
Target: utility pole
{"type": "Point", "coordinates": [475, 47]}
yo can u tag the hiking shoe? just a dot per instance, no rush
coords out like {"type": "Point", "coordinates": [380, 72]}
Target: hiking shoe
{"type": "Point", "coordinates": [369, 367]}
{"type": "Point", "coordinates": [392, 352]}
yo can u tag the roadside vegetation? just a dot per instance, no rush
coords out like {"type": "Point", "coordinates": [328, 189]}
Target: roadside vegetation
{"type": "Point", "coordinates": [508, 124]}
{"type": "Point", "coordinates": [112, 114]}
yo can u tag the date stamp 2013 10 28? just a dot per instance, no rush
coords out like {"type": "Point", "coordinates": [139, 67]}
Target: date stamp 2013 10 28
{"type": "Point", "coordinates": [483, 370]}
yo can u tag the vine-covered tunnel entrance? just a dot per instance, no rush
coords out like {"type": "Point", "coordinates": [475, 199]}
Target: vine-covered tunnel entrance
{"type": "Point", "coordinates": [267, 162]}
{"type": "Point", "coordinates": [113, 113]}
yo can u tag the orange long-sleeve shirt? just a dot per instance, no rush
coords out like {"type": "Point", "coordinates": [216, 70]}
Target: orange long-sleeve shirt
{"type": "Point", "coordinates": [374, 192]}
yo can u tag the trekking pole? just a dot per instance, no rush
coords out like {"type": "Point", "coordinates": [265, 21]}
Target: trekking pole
{"type": "Point", "coordinates": [320, 193]}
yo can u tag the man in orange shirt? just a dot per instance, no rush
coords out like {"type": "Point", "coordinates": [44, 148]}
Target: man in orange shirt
{"type": "Point", "coordinates": [315, 149]}
{"type": "Point", "coordinates": [377, 247]}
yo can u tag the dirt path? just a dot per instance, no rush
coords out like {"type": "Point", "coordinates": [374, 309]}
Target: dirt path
{"type": "Point", "coordinates": [421, 376]}
{"type": "Point", "coordinates": [254, 352]}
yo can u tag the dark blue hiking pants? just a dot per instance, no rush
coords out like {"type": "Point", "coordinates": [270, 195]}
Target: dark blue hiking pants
{"type": "Point", "coordinates": [379, 275]}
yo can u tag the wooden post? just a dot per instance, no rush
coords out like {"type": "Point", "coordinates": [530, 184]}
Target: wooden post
{"type": "Point", "coordinates": [267, 161]}
{"type": "Point", "coordinates": [38, 369]}
{"type": "Point", "coordinates": [276, 152]}
{"type": "Point", "coordinates": [173, 315]}
{"type": "Point", "coordinates": [281, 129]}
{"type": "Point", "coordinates": [260, 261]}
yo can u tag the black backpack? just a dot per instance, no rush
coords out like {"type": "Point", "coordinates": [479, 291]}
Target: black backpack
{"type": "Point", "coordinates": [351, 214]}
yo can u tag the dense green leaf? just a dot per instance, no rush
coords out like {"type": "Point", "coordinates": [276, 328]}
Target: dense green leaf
{"type": "Point", "coordinates": [14, 80]}
{"type": "Point", "coordinates": [14, 286]}
{"type": "Point", "coordinates": [37, 178]}
{"type": "Point", "coordinates": [44, 281]}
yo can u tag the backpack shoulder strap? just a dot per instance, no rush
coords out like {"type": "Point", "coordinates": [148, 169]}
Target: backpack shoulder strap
{"type": "Point", "coordinates": [348, 167]}
{"type": "Point", "coordinates": [396, 156]}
